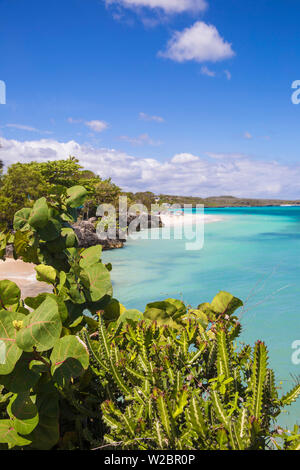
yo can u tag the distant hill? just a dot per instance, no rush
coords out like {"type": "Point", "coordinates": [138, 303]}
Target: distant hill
{"type": "Point", "coordinates": [225, 201]}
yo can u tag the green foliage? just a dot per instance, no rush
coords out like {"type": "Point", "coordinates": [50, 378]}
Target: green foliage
{"type": "Point", "coordinates": [78, 370]}
{"type": "Point", "coordinates": [175, 392]}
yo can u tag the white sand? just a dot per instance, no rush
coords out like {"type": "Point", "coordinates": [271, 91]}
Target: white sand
{"type": "Point", "coordinates": [24, 275]}
{"type": "Point", "coordinates": [171, 220]}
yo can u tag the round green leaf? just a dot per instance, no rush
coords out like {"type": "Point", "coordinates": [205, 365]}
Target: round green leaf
{"type": "Point", "coordinates": [21, 219]}
{"type": "Point", "coordinates": [130, 315]}
{"type": "Point", "coordinates": [8, 435]}
{"type": "Point", "coordinates": [51, 231]}
{"type": "Point", "coordinates": [45, 273]}
{"type": "Point", "coordinates": [23, 377]}
{"type": "Point", "coordinates": [23, 413]}
{"type": "Point", "coordinates": [8, 336]}
{"type": "Point", "coordinates": [96, 279]}
{"type": "Point", "coordinates": [46, 433]}
{"type": "Point", "coordinates": [77, 195]}
{"type": "Point", "coordinates": [41, 328]}
{"type": "Point", "coordinates": [39, 214]}
{"type": "Point", "coordinates": [69, 359]}
{"type": "Point", "coordinates": [10, 293]}
{"type": "Point", "coordinates": [113, 310]}
{"type": "Point", "coordinates": [90, 256]}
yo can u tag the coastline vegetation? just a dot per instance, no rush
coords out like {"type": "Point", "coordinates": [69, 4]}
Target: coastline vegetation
{"type": "Point", "coordinates": [80, 371]}
{"type": "Point", "coordinates": [24, 183]}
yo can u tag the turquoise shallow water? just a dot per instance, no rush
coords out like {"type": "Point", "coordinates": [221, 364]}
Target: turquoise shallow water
{"type": "Point", "coordinates": [254, 253]}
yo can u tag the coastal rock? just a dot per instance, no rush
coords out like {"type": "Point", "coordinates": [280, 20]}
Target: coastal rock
{"type": "Point", "coordinates": [87, 236]}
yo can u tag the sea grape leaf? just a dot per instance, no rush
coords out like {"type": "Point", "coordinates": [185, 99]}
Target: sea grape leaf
{"type": "Point", "coordinates": [39, 214]}
{"type": "Point", "coordinates": [180, 307]}
{"type": "Point", "coordinates": [77, 195]}
{"type": "Point", "coordinates": [96, 279]}
{"type": "Point", "coordinates": [8, 435]}
{"type": "Point", "coordinates": [113, 310]}
{"type": "Point", "coordinates": [41, 328]}
{"type": "Point", "coordinates": [10, 294]}
{"type": "Point", "coordinates": [35, 302]}
{"type": "Point", "coordinates": [46, 433]}
{"type": "Point", "coordinates": [69, 359]}
{"type": "Point", "coordinates": [21, 219]}
{"type": "Point", "coordinates": [45, 273]}
{"type": "Point", "coordinates": [201, 317]}
{"type": "Point", "coordinates": [8, 334]}
{"type": "Point", "coordinates": [225, 303]}
{"type": "Point", "coordinates": [130, 315]}
{"type": "Point", "coordinates": [22, 378]}
{"type": "Point", "coordinates": [51, 230]}
{"type": "Point", "coordinates": [70, 238]}
{"type": "Point", "coordinates": [23, 413]}
{"type": "Point", "coordinates": [90, 256]}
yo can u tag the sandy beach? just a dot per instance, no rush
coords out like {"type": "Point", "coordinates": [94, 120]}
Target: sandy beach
{"type": "Point", "coordinates": [24, 275]}
{"type": "Point", "coordinates": [172, 220]}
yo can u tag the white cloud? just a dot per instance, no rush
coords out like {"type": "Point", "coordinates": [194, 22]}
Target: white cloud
{"type": "Point", "coordinates": [184, 158]}
{"type": "Point", "coordinates": [147, 117]}
{"type": "Point", "coordinates": [97, 126]}
{"type": "Point", "coordinates": [206, 71]}
{"type": "Point", "coordinates": [74, 121]}
{"type": "Point", "coordinates": [143, 139]}
{"type": "Point", "coordinates": [200, 42]}
{"type": "Point", "coordinates": [23, 127]}
{"type": "Point", "coordinates": [214, 174]}
{"type": "Point", "coordinates": [168, 6]}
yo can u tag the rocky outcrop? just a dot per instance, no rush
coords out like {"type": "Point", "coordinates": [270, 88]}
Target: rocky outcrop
{"type": "Point", "coordinates": [87, 236]}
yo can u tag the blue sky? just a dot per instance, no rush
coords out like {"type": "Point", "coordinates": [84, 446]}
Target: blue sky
{"type": "Point", "coordinates": [168, 95]}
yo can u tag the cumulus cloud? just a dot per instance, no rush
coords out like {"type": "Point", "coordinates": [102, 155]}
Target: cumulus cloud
{"type": "Point", "coordinates": [185, 174]}
{"type": "Point", "coordinates": [200, 42]}
{"type": "Point", "coordinates": [147, 117]}
{"type": "Point", "coordinates": [97, 126]}
{"type": "Point", "coordinates": [168, 6]}
{"type": "Point", "coordinates": [184, 158]}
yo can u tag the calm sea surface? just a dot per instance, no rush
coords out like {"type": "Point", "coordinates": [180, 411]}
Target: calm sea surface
{"type": "Point", "coordinates": [254, 253]}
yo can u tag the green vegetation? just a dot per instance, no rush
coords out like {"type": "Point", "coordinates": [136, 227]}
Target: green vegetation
{"type": "Point", "coordinates": [79, 371]}
{"type": "Point", "coordinates": [24, 183]}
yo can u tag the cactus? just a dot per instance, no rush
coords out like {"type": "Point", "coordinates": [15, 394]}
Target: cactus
{"type": "Point", "coordinates": [173, 402]}
{"type": "Point", "coordinates": [171, 377]}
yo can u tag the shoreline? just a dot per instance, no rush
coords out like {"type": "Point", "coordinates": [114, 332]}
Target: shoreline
{"type": "Point", "coordinates": [24, 275]}
{"type": "Point", "coordinates": [172, 220]}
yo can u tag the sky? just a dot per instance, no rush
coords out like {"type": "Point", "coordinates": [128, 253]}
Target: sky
{"type": "Point", "coordinates": [188, 97]}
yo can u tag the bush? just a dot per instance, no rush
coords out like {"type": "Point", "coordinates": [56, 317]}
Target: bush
{"type": "Point", "coordinates": [79, 371]}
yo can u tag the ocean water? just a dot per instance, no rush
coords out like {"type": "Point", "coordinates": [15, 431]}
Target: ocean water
{"type": "Point", "coordinates": [253, 253]}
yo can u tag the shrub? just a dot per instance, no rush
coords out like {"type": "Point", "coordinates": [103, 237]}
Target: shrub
{"type": "Point", "coordinates": [78, 370]}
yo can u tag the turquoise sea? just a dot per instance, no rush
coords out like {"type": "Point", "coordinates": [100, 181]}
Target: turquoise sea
{"type": "Point", "coordinates": [254, 253]}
